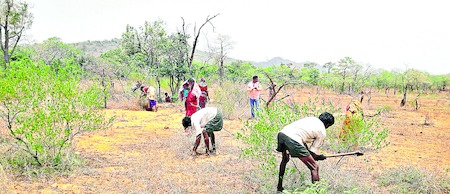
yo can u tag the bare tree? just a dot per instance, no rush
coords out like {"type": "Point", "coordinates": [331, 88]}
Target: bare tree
{"type": "Point", "coordinates": [15, 18]}
{"type": "Point", "coordinates": [276, 89]}
{"type": "Point", "coordinates": [220, 51]}
{"type": "Point", "coordinates": [197, 34]}
{"type": "Point", "coordinates": [417, 102]}
{"type": "Point", "coordinates": [403, 102]}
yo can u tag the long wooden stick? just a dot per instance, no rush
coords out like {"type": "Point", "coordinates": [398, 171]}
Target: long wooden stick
{"type": "Point", "coordinates": [357, 153]}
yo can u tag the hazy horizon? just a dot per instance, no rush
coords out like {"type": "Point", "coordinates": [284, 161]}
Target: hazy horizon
{"type": "Point", "coordinates": [385, 34]}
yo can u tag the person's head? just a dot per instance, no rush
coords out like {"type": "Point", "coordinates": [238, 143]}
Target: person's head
{"type": "Point", "coordinates": [202, 80]}
{"type": "Point", "coordinates": [186, 122]}
{"type": "Point", "coordinates": [166, 94]}
{"type": "Point", "coordinates": [327, 119]}
{"type": "Point", "coordinates": [191, 82]}
{"type": "Point", "coordinates": [142, 88]}
{"type": "Point", "coordinates": [255, 79]}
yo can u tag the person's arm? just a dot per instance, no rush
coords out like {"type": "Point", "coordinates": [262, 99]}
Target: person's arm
{"type": "Point", "coordinates": [315, 148]}
{"type": "Point", "coordinates": [249, 87]}
{"type": "Point", "coordinates": [198, 101]}
{"type": "Point", "coordinates": [196, 127]}
{"type": "Point", "coordinates": [258, 87]}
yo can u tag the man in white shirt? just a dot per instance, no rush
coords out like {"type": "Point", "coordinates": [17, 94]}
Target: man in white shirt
{"type": "Point", "coordinates": [150, 93]}
{"type": "Point", "coordinates": [205, 121]}
{"type": "Point", "coordinates": [294, 138]}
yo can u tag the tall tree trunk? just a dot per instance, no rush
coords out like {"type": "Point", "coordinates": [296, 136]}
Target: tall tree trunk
{"type": "Point", "coordinates": [194, 45]}
{"type": "Point", "coordinates": [6, 44]}
{"type": "Point", "coordinates": [403, 102]}
{"type": "Point", "coordinates": [221, 72]}
{"type": "Point", "coordinates": [103, 75]}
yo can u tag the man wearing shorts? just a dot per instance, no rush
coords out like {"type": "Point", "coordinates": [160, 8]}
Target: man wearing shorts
{"type": "Point", "coordinates": [205, 121]}
{"type": "Point", "coordinates": [293, 139]}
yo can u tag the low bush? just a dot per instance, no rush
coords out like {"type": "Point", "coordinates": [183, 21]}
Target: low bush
{"type": "Point", "coordinates": [44, 110]}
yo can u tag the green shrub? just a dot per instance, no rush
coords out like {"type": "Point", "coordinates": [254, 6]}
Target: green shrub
{"type": "Point", "coordinates": [384, 108]}
{"type": "Point", "coordinates": [44, 110]}
{"type": "Point", "coordinates": [369, 134]}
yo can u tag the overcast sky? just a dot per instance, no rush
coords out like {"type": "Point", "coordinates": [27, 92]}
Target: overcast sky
{"type": "Point", "coordinates": [385, 33]}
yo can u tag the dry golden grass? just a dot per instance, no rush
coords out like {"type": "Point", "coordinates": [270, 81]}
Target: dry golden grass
{"type": "Point", "coordinates": [3, 181]}
{"type": "Point", "coordinates": [149, 152]}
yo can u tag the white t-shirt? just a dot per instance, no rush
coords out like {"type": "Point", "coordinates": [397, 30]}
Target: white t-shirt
{"type": "Point", "coordinates": [201, 117]}
{"type": "Point", "coordinates": [151, 92]}
{"type": "Point", "coordinates": [307, 130]}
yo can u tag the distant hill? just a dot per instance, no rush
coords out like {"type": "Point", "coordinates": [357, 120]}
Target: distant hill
{"type": "Point", "coordinates": [96, 48]}
{"type": "Point", "coordinates": [276, 61]}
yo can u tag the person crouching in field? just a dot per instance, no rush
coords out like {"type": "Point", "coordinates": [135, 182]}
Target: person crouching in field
{"type": "Point", "coordinates": [167, 97]}
{"type": "Point", "coordinates": [294, 138]}
{"type": "Point", "coordinates": [150, 93]}
{"type": "Point", "coordinates": [352, 123]}
{"type": "Point", "coordinates": [205, 121]}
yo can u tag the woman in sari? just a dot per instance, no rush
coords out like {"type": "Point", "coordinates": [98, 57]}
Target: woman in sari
{"type": "Point", "coordinates": [193, 97]}
{"type": "Point", "coordinates": [204, 88]}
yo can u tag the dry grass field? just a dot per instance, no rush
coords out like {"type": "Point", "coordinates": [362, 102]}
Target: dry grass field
{"type": "Point", "coordinates": [148, 152]}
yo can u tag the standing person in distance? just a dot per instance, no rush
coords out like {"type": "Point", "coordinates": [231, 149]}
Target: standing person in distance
{"type": "Point", "coordinates": [205, 96]}
{"type": "Point", "coordinates": [254, 88]}
{"type": "Point", "coordinates": [193, 97]}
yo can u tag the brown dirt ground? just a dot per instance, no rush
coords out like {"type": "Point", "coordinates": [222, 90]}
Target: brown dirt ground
{"type": "Point", "coordinates": [411, 142]}
{"type": "Point", "coordinates": [149, 152]}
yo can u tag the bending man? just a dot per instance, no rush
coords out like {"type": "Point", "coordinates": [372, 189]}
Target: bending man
{"type": "Point", "coordinates": [205, 121]}
{"type": "Point", "coordinates": [294, 138]}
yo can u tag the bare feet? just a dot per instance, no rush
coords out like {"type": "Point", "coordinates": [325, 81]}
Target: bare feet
{"type": "Point", "coordinates": [280, 189]}
{"type": "Point", "coordinates": [195, 153]}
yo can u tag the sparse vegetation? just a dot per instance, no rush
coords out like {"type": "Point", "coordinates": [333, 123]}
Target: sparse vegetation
{"type": "Point", "coordinates": [52, 95]}
{"type": "Point", "coordinates": [231, 100]}
{"type": "Point", "coordinates": [259, 136]}
{"type": "Point", "coordinates": [370, 135]}
{"type": "Point", "coordinates": [414, 180]}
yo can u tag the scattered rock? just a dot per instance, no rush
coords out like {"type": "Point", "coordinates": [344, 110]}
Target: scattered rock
{"type": "Point", "coordinates": [166, 127]}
